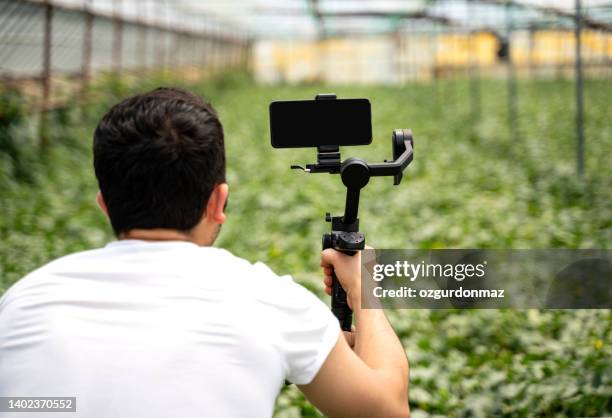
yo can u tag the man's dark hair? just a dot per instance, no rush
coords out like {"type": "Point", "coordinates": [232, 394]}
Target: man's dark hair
{"type": "Point", "coordinates": [157, 157]}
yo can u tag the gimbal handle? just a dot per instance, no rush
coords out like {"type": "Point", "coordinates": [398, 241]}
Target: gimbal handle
{"type": "Point", "coordinates": [339, 303]}
{"type": "Point", "coordinates": [345, 235]}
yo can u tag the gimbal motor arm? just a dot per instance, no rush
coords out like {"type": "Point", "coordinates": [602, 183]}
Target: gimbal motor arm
{"type": "Point", "coordinates": [355, 172]}
{"type": "Point", "coordinates": [403, 150]}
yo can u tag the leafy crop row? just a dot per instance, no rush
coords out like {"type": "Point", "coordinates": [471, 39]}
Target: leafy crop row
{"type": "Point", "coordinates": [471, 186]}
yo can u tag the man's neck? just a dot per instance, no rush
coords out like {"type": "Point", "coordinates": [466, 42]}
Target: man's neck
{"type": "Point", "coordinates": [157, 235]}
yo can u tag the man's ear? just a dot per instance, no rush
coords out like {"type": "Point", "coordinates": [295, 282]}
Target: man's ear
{"type": "Point", "coordinates": [101, 203]}
{"type": "Point", "coordinates": [215, 208]}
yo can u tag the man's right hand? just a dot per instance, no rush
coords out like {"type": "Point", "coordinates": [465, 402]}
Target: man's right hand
{"type": "Point", "coordinates": [372, 379]}
{"type": "Point", "coordinates": [348, 271]}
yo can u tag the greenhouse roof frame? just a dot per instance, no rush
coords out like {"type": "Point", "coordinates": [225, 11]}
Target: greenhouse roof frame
{"type": "Point", "coordinates": [299, 19]}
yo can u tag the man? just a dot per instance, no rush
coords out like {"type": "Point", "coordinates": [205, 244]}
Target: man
{"type": "Point", "coordinates": [161, 324]}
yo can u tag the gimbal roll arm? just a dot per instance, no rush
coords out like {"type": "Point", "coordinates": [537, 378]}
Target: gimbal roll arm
{"type": "Point", "coordinates": [356, 173]}
{"type": "Point", "coordinates": [403, 153]}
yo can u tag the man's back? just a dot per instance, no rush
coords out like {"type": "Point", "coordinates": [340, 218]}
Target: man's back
{"type": "Point", "coordinates": [160, 324]}
{"type": "Point", "coordinates": [160, 329]}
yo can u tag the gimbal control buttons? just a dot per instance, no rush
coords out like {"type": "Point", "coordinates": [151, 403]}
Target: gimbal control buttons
{"type": "Point", "coordinates": [351, 240]}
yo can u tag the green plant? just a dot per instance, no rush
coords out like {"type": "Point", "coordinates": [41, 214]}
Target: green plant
{"type": "Point", "coordinates": [471, 185]}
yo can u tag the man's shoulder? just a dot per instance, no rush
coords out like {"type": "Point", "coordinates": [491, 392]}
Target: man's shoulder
{"type": "Point", "coordinates": [191, 262]}
{"type": "Point", "coordinates": [42, 274]}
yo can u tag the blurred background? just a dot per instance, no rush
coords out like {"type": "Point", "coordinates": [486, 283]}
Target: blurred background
{"type": "Point", "coordinates": [509, 102]}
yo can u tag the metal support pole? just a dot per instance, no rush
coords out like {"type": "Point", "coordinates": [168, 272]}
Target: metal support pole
{"type": "Point", "coordinates": [142, 37]}
{"type": "Point", "coordinates": [218, 50]}
{"type": "Point", "coordinates": [579, 92]}
{"type": "Point", "coordinates": [214, 62]}
{"type": "Point", "coordinates": [161, 37]}
{"type": "Point", "coordinates": [410, 61]}
{"type": "Point", "coordinates": [167, 39]}
{"type": "Point", "coordinates": [475, 100]}
{"type": "Point", "coordinates": [246, 54]}
{"type": "Point", "coordinates": [435, 68]}
{"type": "Point", "coordinates": [532, 71]}
{"type": "Point", "coordinates": [407, 56]}
{"type": "Point", "coordinates": [475, 97]}
{"type": "Point", "coordinates": [204, 50]}
{"type": "Point", "coordinates": [559, 47]}
{"type": "Point", "coordinates": [206, 47]}
{"type": "Point", "coordinates": [175, 53]}
{"type": "Point", "coordinates": [201, 41]}
{"type": "Point", "coordinates": [512, 91]}
{"type": "Point", "coordinates": [322, 36]}
{"type": "Point", "coordinates": [605, 59]}
{"type": "Point", "coordinates": [234, 55]}
{"type": "Point", "coordinates": [117, 37]}
{"type": "Point", "coordinates": [46, 73]}
{"type": "Point", "coordinates": [455, 92]}
{"type": "Point", "coordinates": [193, 42]}
{"type": "Point", "coordinates": [87, 45]}
{"type": "Point", "coordinates": [396, 38]}
{"type": "Point", "coordinates": [243, 55]}
{"type": "Point", "coordinates": [221, 52]}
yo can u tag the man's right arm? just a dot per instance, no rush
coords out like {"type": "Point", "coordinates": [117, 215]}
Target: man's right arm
{"type": "Point", "coordinates": [372, 380]}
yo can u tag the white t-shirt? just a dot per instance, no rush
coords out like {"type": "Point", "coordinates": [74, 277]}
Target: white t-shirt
{"type": "Point", "coordinates": [163, 329]}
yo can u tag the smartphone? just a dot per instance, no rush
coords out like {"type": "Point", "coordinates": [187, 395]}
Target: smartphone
{"type": "Point", "coordinates": [311, 123]}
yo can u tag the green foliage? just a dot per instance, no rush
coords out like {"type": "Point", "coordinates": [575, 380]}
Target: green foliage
{"type": "Point", "coordinates": [471, 186]}
{"type": "Point", "coordinates": [13, 158]}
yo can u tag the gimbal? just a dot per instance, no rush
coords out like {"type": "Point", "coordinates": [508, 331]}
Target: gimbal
{"type": "Point", "coordinates": [355, 174]}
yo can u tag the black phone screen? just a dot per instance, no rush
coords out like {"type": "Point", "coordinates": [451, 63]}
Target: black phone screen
{"type": "Point", "coordinates": [310, 123]}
